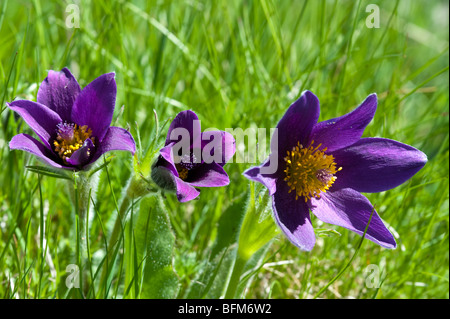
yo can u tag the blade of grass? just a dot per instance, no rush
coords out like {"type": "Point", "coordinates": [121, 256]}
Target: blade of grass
{"type": "Point", "coordinates": [350, 261]}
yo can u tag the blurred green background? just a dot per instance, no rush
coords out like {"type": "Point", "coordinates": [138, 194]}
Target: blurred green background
{"type": "Point", "coordinates": [236, 64]}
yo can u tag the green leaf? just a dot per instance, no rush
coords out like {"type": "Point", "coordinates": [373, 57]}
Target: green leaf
{"type": "Point", "coordinates": [252, 267]}
{"type": "Point", "coordinates": [142, 166]}
{"type": "Point", "coordinates": [228, 226]}
{"type": "Point", "coordinates": [326, 232]}
{"type": "Point", "coordinates": [154, 245]}
{"type": "Point", "coordinates": [211, 280]}
{"type": "Point", "coordinates": [48, 172]}
{"type": "Point", "coordinates": [258, 227]}
{"type": "Point", "coordinates": [106, 162]}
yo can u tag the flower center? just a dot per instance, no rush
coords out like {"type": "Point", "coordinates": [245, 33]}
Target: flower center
{"type": "Point", "coordinates": [184, 164]}
{"type": "Point", "coordinates": [182, 171]}
{"type": "Point", "coordinates": [309, 171]}
{"type": "Point", "coordinates": [70, 137]}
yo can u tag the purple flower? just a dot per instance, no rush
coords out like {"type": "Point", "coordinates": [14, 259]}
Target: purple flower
{"type": "Point", "coordinates": [324, 166]}
{"type": "Point", "coordinates": [73, 124]}
{"type": "Point", "coordinates": [192, 158]}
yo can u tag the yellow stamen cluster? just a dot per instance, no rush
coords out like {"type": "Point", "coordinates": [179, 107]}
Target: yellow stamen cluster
{"type": "Point", "coordinates": [65, 146]}
{"type": "Point", "coordinates": [309, 171]}
{"type": "Point", "coordinates": [182, 171]}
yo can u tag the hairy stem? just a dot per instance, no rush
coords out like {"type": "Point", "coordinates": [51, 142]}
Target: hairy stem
{"type": "Point", "coordinates": [136, 188]}
{"type": "Point", "coordinates": [80, 191]}
{"type": "Point", "coordinates": [238, 268]}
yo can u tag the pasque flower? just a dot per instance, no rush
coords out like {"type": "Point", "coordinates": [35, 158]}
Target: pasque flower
{"type": "Point", "coordinates": [198, 164]}
{"type": "Point", "coordinates": [323, 167]}
{"type": "Point", "coordinates": [72, 124]}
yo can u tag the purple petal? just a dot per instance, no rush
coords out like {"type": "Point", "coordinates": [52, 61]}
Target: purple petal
{"type": "Point", "coordinates": [165, 179]}
{"type": "Point", "coordinates": [95, 104]}
{"type": "Point", "coordinates": [349, 209]}
{"type": "Point", "coordinates": [81, 156]}
{"type": "Point", "coordinates": [296, 124]}
{"type": "Point", "coordinates": [185, 192]}
{"type": "Point", "coordinates": [163, 176]}
{"type": "Point", "coordinates": [58, 91]}
{"type": "Point", "coordinates": [255, 174]}
{"type": "Point", "coordinates": [293, 217]}
{"type": "Point", "coordinates": [377, 164]}
{"type": "Point", "coordinates": [208, 175]}
{"type": "Point", "coordinates": [29, 144]}
{"type": "Point", "coordinates": [347, 129]}
{"type": "Point", "coordinates": [116, 139]}
{"type": "Point", "coordinates": [189, 121]}
{"type": "Point", "coordinates": [219, 143]}
{"type": "Point", "coordinates": [166, 154]}
{"type": "Point", "coordinates": [41, 119]}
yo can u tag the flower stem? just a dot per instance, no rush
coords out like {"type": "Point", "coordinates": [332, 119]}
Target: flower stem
{"type": "Point", "coordinates": [136, 188]}
{"type": "Point", "coordinates": [238, 268]}
{"type": "Point", "coordinates": [80, 191]}
{"type": "Point", "coordinates": [256, 230]}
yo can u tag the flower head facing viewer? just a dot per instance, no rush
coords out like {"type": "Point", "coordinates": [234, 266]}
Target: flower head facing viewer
{"type": "Point", "coordinates": [324, 167]}
{"type": "Point", "coordinates": [73, 124]}
{"type": "Point", "coordinates": [191, 158]}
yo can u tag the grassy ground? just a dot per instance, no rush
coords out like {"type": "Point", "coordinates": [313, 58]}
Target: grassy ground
{"type": "Point", "coordinates": [236, 64]}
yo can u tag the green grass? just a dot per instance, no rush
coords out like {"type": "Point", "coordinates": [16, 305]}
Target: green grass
{"type": "Point", "coordinates": [236, 64]}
